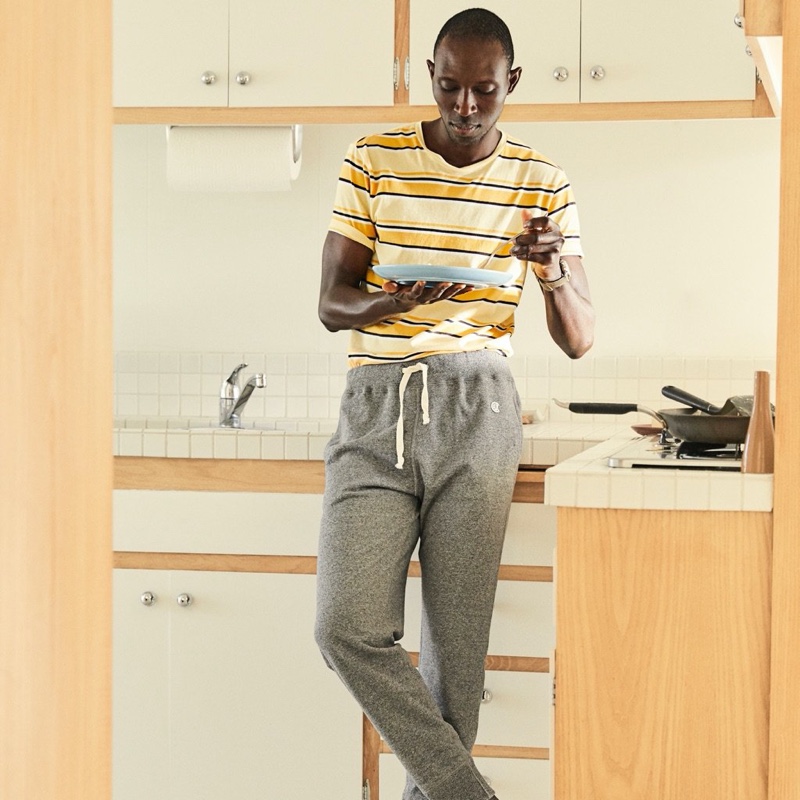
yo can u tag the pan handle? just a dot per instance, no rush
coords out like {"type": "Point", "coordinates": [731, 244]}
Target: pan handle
{"type": "Point", "coordinates": [607, 408]}
{"type": "Point", "coordinates": [674, 393]}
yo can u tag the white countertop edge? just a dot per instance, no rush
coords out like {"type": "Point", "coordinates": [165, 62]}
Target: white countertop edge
{"type": "Point", "coordinates": [544, 443]}
{"type": "Point", "coordinates": [586, 481]}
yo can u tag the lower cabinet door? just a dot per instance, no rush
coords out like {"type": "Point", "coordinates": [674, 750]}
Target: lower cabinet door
{"type": "Point", "coordinates": [244, 708]}
{"type": "Point", "coordinates": [141, 713]}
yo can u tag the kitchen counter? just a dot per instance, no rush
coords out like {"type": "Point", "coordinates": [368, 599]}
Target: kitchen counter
{"type": "Point", "coordinates": [575, 453]}
{"type": "Point", "coordinates": [544, 443]}
{"type": "Point", "coordinates": [586, 481]}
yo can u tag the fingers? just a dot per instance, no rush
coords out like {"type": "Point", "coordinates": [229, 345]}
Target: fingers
{"type": "Point", "coordinates": [540, 240]}
{"type": "Point", "coordinates": [419, 293]}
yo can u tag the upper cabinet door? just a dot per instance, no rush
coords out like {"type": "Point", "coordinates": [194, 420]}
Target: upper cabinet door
{"type": "Point", "coordinates": [546, 38]}
{"type": "Point", "coordinates": [652, 51]}
{"type": "Point", "coordinates": [321, 54]}
{"type": "Point", "coordinates": [170, 52]}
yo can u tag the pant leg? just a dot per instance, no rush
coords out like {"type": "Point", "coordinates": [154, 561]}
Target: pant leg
{"type": "Point", "coordinates": [468, 461]}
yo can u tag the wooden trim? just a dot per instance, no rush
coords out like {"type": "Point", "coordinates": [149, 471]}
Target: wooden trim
{"type": "Point", "coordinates": [762, 17]}
{"type": "Point", "coordinates": [215, 562]}
{"type": "Point", "coordinates": [402, 16]}
{"type": "Point", "coordinates": [784, 756]}
{"type": "Point", "coordinates": [505, 663]}
{"type": "Point", "coordinates": [253, 475]}
{"type": "Point", "coordinates": [291, 565]}
{"type": "Point", "coordinates": [219, 475]}
{"type": "Point", "coordinates": [370, 763]}
{"type": "Point", "coordinates": [529, 487]}
{"type": "Point", "coordinates": [322, 115]}
{"type": "Point", "coordinates": [495, 751]}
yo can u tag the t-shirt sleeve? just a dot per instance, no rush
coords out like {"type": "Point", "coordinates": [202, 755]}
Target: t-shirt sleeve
{"type": "Point", "coordinates": [564, 211]}
{"type": "Point", "coordinates": [351, 207]}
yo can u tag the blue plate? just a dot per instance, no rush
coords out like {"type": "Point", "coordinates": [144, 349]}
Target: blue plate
{"type": "Point", "coordinates": [411, 273]}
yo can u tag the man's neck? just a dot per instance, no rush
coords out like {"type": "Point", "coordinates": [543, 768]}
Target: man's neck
{"type": "Point", "coordinates": [437, 140]}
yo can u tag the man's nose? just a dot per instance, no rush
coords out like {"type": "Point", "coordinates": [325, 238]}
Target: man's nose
{"type": "Point", "coordinates": [465, 103]}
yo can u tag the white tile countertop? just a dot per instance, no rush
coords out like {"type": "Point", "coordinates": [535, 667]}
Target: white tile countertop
{"type": "Point", "coordinates": [544, 443]}
{"type": "Point", "coordinates": [586, 481]}
{"type": "Point", "coordinates": [579, 478]}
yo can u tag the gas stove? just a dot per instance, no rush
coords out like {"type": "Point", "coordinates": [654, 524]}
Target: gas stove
{"type": "Point", "coordinates": [651, 452]}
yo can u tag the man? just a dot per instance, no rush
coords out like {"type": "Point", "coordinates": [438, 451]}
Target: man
{"type": "Point", "coordinates": [428, 443]}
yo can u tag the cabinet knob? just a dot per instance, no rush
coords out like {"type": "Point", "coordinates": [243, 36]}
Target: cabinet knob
{"type": "Point", "coordinates": [147, 598]}
{"type": "Point", "coordinates": [486, 696]}
{"type": "Point", "coordinates": [738, 21]}
{"type": "Point", "coordinates": [184, 599]}
{"type": "Point", "coordinates": [208, 78]}
{"type": "Point", "coordinates": [561, 73]}
{"type": "Point", "coordinates": [243, 78]}
{"type": "Point", "coordinates": [597, 73]}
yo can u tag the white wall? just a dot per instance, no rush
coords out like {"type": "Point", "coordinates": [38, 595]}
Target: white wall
{"type": "Point", "coordinates": [679, 221]}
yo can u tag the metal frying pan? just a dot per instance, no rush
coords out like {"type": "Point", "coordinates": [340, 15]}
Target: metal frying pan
{"type": "Point", "coordinates": [686, 424]}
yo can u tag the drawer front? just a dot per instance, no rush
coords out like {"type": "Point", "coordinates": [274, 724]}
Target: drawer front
{"type": "Point", "coordinates": [517, 710]}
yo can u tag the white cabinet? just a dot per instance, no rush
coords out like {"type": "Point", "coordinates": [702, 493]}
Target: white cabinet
{"type": "Point", "coordinates": [651, 51]}
{"type": "Point", "coordinates": [248, 53]}
{"type": "Point", "coordinates": [638, 51]}
{"type": "Point", "coordinates": [225, 695]}
{"type": "Point", "coordinates": [220, 691]}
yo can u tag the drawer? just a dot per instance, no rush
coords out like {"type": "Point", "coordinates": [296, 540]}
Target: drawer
{"type": "Point", "coordinates": [216, 522]}
{"type": "Point", "coordinates": [522, 624]}
{"type": "Point", "coordinates": [530, 535]}
{"type": "Point", "coordinates": [518, 711]}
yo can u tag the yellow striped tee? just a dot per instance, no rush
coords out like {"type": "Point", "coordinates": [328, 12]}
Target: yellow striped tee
{"type": "Point", "coordinates": [409, 206]}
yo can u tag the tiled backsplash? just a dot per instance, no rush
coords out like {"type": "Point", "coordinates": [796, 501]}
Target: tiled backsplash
{"type": "Point", "coordinates": [309, 385]}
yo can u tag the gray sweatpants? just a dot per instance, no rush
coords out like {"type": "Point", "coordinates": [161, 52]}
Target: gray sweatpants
{"type": "Point", "coordinates": [458, 441]}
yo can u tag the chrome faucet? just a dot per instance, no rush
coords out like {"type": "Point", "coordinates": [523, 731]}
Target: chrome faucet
{"type": "Point", "coordinates": [233, 397]}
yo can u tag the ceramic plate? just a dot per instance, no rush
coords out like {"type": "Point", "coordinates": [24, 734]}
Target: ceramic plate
{"type": "Point", "coordinates": [410, 273]}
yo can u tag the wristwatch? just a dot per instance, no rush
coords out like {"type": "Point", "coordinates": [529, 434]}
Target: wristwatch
{"type": "Point", "coordinates": [548, 286]}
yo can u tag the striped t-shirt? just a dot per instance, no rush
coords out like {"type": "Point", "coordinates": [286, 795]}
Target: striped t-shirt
{"type": "Point", "coordinates": [409, 206]}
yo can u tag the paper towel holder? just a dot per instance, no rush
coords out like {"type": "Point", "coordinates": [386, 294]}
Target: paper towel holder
{"type": "Point", "coordinates": [297, 142]}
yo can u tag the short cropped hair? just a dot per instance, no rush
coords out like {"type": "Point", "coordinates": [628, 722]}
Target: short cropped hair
{"type": "Point", "coordinates": [480, 24]}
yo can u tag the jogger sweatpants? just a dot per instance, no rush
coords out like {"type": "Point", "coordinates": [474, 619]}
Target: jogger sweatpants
{"type": "Point", "coordinates": [425, 451]}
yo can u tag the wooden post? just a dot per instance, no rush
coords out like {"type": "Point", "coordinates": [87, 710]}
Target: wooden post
{"type": "Point", "coordinates": [55, 399]}
{"type": "Point", "coordinates": [784, 757]}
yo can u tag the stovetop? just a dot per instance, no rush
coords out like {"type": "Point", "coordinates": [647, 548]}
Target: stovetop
{"type": "Point", "coordinates": [649, 452]}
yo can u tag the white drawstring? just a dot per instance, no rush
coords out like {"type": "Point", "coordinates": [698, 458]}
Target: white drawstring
{"type": "Point", "coordinates": [407, 371]}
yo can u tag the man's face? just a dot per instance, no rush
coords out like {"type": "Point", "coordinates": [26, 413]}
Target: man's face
{"type": "Point", "coordinates": [470, 80]}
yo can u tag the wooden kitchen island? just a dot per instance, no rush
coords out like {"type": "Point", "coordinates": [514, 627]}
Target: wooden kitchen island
{"type": "Point", "coordinates": [662, 669]}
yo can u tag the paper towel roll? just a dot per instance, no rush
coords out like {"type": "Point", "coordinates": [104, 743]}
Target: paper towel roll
{"type": "Point", "coordinates": [241, 158]}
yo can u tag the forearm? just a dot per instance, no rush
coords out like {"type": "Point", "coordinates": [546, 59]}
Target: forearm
{"type": "Point", "coordinates": [346, 307]}
{"type": "Point", "coordinates": [570, 320]}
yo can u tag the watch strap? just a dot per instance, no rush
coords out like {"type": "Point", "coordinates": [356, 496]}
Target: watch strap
{"type": "Point", "coordinates": [566, 275]}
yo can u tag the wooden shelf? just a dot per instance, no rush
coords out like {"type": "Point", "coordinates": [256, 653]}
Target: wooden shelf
{"type": "Point", "coordinates": [246, 475]}
{"type": "Point", "coordinates": [571, 112]}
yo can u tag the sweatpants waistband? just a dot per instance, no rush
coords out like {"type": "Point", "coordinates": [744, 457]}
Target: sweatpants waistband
{"type": "Point", "coordinates": [443, 366]}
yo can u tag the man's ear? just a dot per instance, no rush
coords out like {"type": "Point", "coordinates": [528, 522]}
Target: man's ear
{"type": "Point", "coordinates": [430, 67]}
{"type": "Point", "coordinates": [513, 78]}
